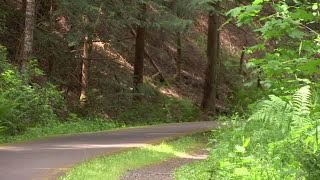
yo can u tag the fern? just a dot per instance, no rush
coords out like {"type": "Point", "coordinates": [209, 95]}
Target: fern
{"type": "Point", "coordinates": [301, 102]}
{"type": "Point", "coordinates": [275, 110]}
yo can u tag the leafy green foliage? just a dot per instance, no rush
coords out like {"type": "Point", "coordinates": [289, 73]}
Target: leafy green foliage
{"type": "Point", "coordinates": [278, 141]}
{"type": "Point", "coordinates": [279, 138]}
{"type": "Point", "coordinates": [166, 111]}
{"type": "Point", "coordinates": [6, 107]}
{"type": "Point", "coordinates": [73, 125]}
{"type": "Point", "coordinates": [25, 105]}
{"type": "Point", "coordinates": [291, 30]}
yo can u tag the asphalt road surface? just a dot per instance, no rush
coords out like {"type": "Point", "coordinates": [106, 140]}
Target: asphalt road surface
{"type": "Point", "coordinates": [50, 158]}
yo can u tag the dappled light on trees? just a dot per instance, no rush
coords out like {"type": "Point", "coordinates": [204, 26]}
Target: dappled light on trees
{"type": "Point", "coordinates": [70, 66]}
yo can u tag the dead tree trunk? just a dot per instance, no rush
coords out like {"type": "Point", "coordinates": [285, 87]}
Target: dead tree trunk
{"type": "Point", "coordinates": [210, 86]}
{"type": "Point", "coordinates": [28, 35]}
{"type": "Point", "coordinates": [84, 72]}
{"type": "Point", "coordinates": [139, 52]}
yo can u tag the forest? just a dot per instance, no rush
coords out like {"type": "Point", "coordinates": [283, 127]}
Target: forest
{"type": "Point", "coordinates": [75, 66]}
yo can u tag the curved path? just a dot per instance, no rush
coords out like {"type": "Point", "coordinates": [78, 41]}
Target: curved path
{"type": "Point", "coordinates": [47, 159]}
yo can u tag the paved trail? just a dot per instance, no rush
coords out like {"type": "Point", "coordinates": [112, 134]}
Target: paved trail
{"type": "Point", "coordinates": [46, 159]}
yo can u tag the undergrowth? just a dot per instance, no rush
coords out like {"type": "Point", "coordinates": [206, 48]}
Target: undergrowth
{"type": "Point", "coordinates": [25, 104]}
{"type": "Point", "coordinates": [164, 110]}
{"type": "Point", "coordinates": [29, 110]}
{"type": "Point", "coordinates": [279, 140]}
{"type": "Point", "coordinates": [73, 125]}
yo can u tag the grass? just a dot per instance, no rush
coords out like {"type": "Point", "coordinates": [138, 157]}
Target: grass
{"type": "Point", "coordinates": [168, 110]}
{"type": "Point", "coordinates": [74, 126]}
{"type": "Point", "coordinates": [163, 110]}
{"type": "Point", "coordinates": [199, 170]}
{"type": "Point", "coordinates": [115, 166]}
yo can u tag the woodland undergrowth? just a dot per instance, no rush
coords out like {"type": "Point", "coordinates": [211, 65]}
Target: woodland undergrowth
{"type": "Point", "coordinates": [279, 140]}
{"type": "Point", "coordinates": [277, 136]}
{"type": "Point", "coordinates": [29, 110]}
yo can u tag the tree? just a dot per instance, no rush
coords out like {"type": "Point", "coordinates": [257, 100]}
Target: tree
{"type": "Point", "coordinates": [85, 71]}
{"type": "Point", "coordinates": [85, 16]}
{"type": "Point", "coordinates": [28, 34]}
{"type": "Point", "coordinates": [140, 49]}
{"type": "Point", "coordinates": [210, 84]}
{"type": "Point", "coordinates": [179, 56]}
{"type": "Point", "coordinates": [185, 12]}
{"type": "Point", "coordinates": [176, 6]}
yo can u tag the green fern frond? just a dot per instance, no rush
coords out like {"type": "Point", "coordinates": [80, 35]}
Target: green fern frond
{"type": "Point", "coordinates": [275, 110]}
{"type": "Point", "coordinates": [301, 101]}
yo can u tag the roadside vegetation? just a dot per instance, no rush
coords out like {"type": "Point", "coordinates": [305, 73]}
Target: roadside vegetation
{"type": "Point", "coordinates": [276, 136]}
{"type": "Point", "coordinates": [63, 71]}
{"type": "Point", "coordinates": [32, 111]}
{"type": "Point", "coordinates": [116, 165]}
{"type": "Point", "coordinates": [56, 128]}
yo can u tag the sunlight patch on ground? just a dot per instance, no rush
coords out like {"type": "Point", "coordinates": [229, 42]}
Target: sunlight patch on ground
{"type": "Point", "coordinates": [99, 146]}
{"type": "Point", "coordinates": [107, 50]}
{"type": "Point", "coordinates": [13, 148]}
{"type": "Point", "coordinates": [76, 146]}
{"type": "Point", "coordinates": [192, 75]}
{"type": "Point", "coordinates": [169, 92]}
{"type": "Point", "coordinates": [115, 166]}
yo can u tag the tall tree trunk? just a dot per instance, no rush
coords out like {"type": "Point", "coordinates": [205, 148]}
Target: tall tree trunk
{"type": "Point", "coordinates": [84, 72]}
{"type": "Point", "coordinates": [219, 73]}
{"type": "Point", "coordinates": [146, 53]}
{"type": "Point", "coordinates": [139, 52]}
{"type": "Point", "coordinates": [179, 45]}
{"type": "Point", "coordinates": [210, 85]}
{"type": "Point", "coordinates": [259, 85]}
{"type": "Point", "coordinates": [242, 60]}
{"type": "Point", "coordinates": [28, 35]}
{"type": "Point", "coordinates": [179, 57]}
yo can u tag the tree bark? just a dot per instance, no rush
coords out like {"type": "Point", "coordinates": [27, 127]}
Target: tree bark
{"type": "Point", "coordinates": [242, 61]}
{"type": "Point", "coordinates": [179, 45]}
{"type": "Point", "coordinates": [210, 86]}
{"type": "Point", "coordinates": [139, 51]}
{"type": "Point", "coordinates": [219, 72]}
{"type": "Point", "coordinates": [84, 73]}
{"type": "Point", "coordinates": [146, 53]}
{"type": "Point", "coordinates": [28, 35]}
{"type": "Point", "coordinates": [259, 85]}
{"type": "Point", "coordinates": [178, 58]}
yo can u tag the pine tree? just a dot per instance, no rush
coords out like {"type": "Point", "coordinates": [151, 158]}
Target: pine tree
{"type": "Point", "coordinates": [210, 86]}
{"type": "Point", "coordinates": [140, 49]}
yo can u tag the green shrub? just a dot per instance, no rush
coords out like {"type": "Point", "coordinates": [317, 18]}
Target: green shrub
{"type": "Point", "coordinates": [73, 125]}
{"type": "Point", "coordinates": [278, 141]}
{"type": "Point", "coordinates": [181, 110]}
{"type": "Point", "coordinates": [165, 110]}
{"type": "Point", "coordinates": [6, 107]}
{"type": "Point", "coordinates": [27, 104]}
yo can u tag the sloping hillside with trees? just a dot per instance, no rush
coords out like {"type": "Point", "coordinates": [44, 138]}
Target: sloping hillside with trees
{"type": "Point", "coordinates": [70, 66]}
{"type": "Point", "coordinates": [126, 62]}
